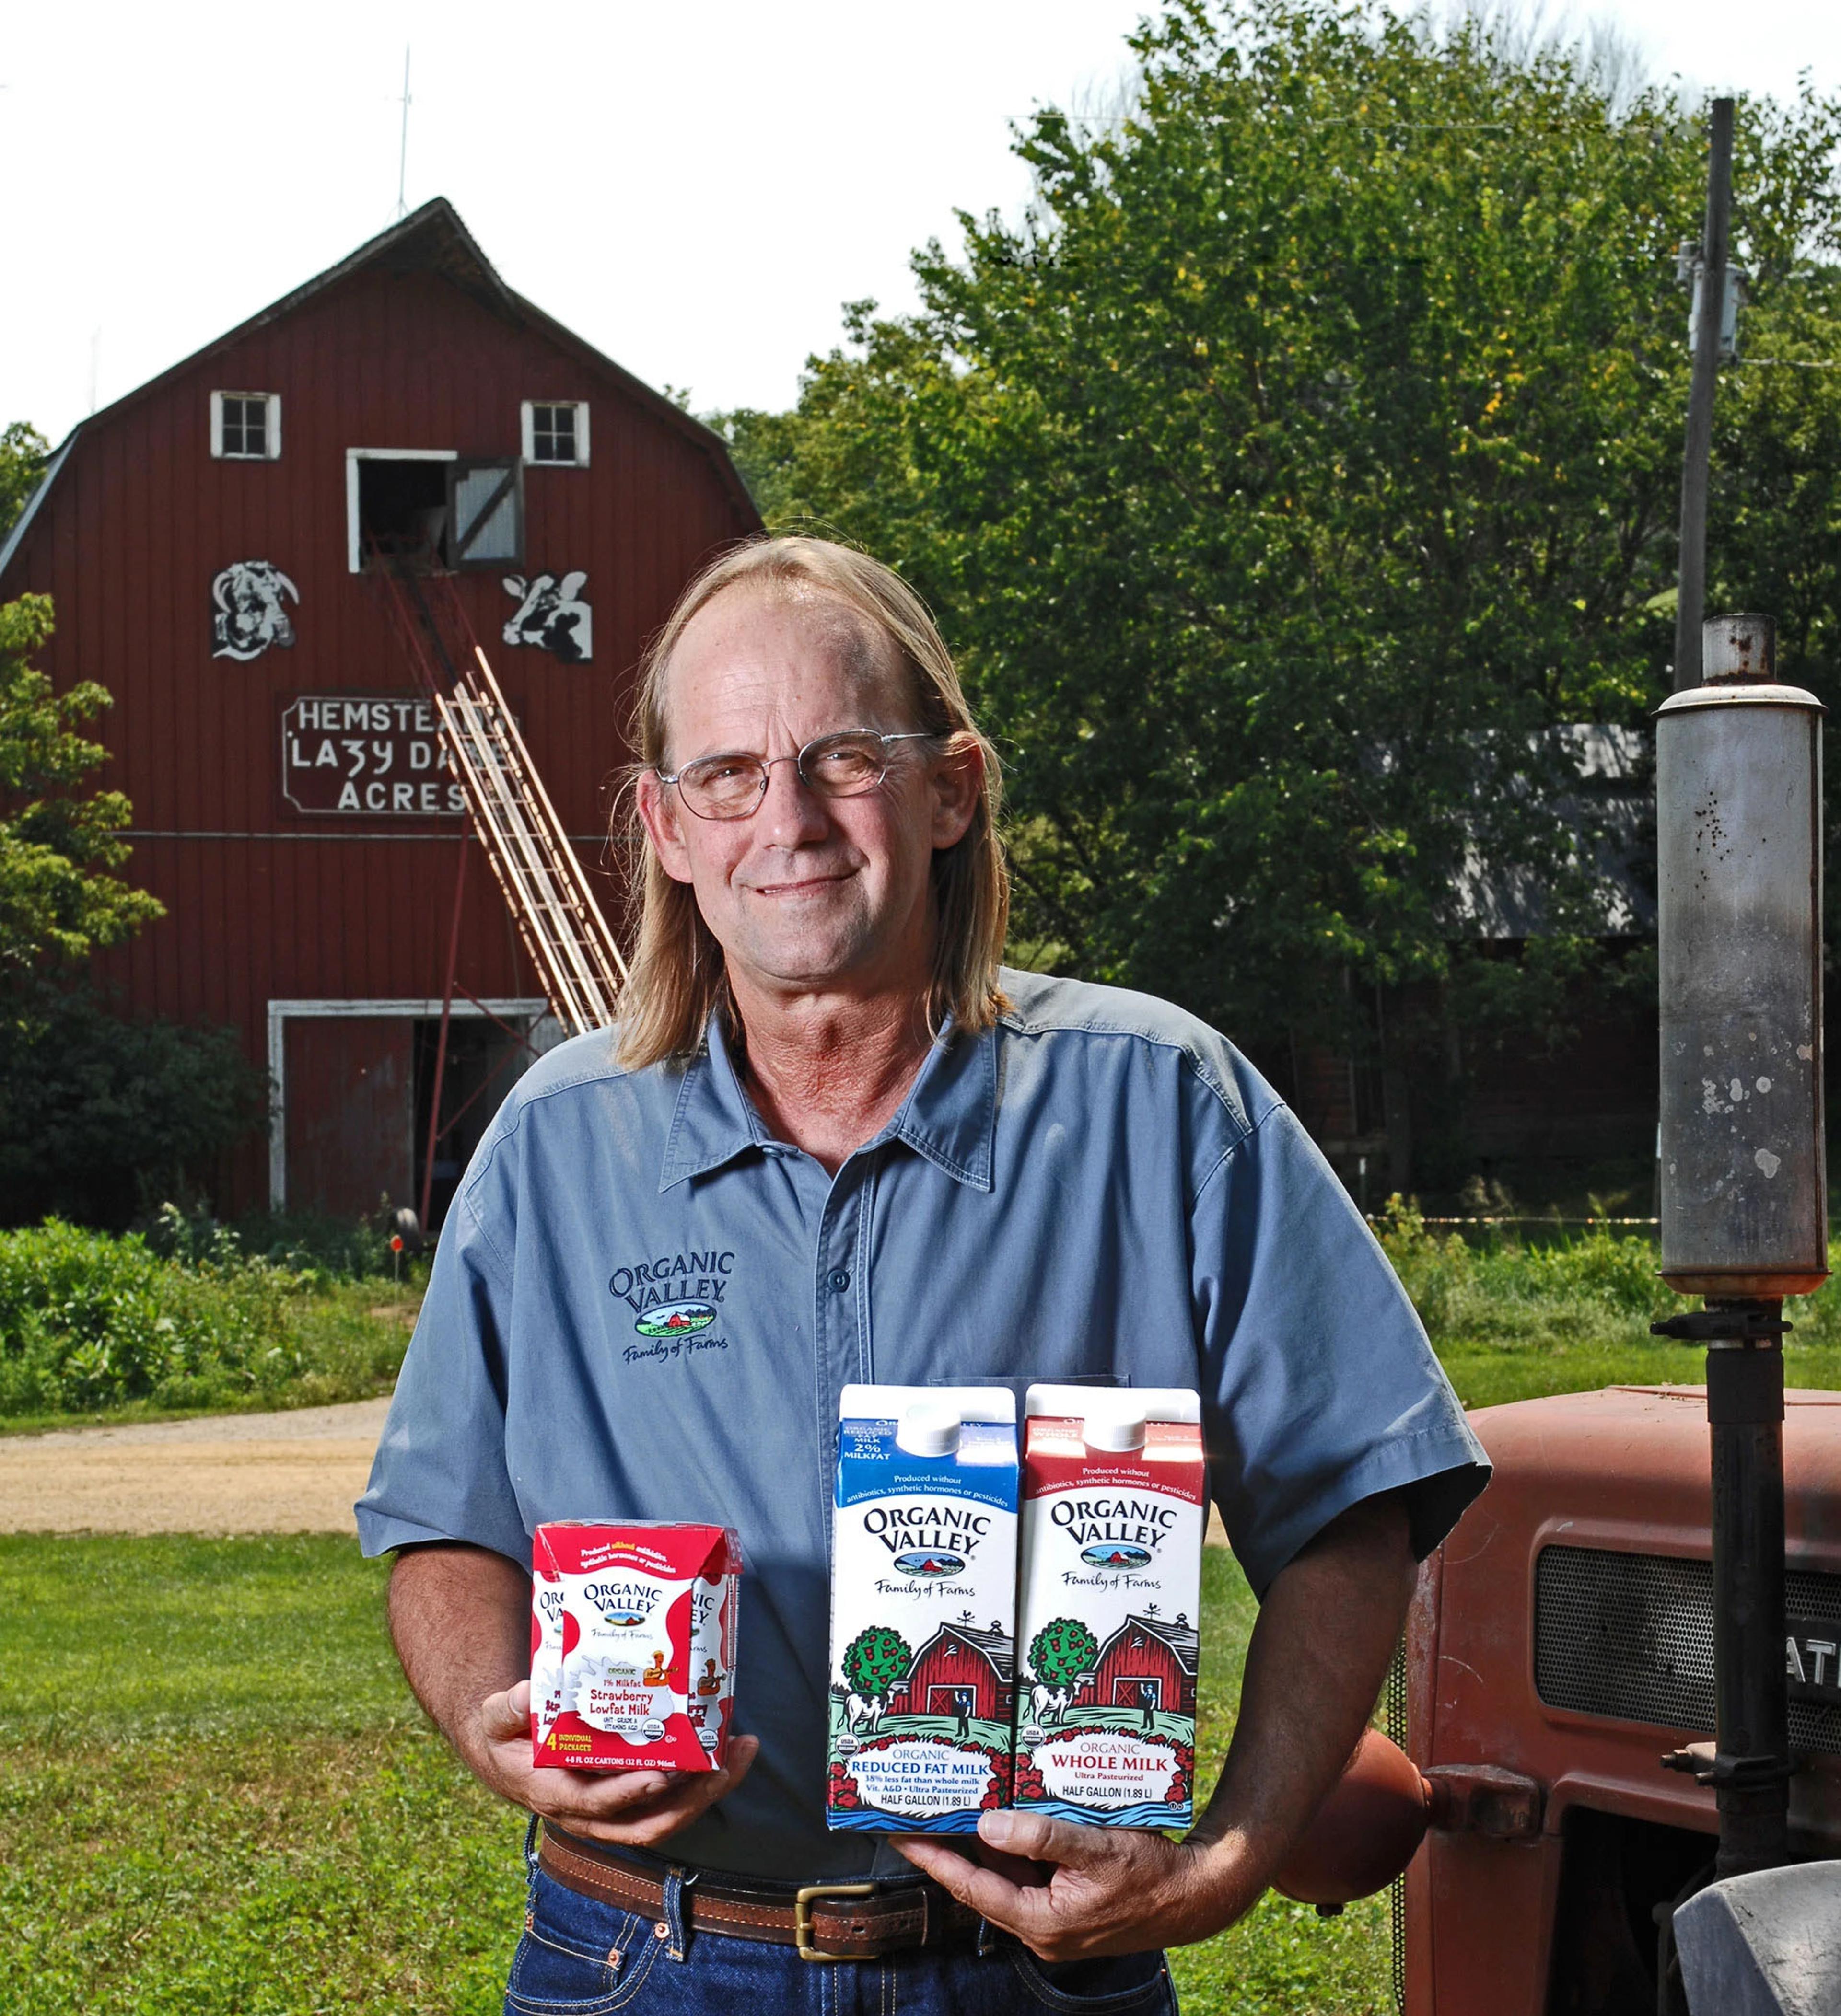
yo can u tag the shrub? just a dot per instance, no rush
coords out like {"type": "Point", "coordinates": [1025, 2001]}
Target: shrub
{"type": "Point", "coordinates": [100, 1115]}
{"type": "Point", "coordinates": [1595, 1289]}
{"type": "Point", "coordinates": [88, 1320]}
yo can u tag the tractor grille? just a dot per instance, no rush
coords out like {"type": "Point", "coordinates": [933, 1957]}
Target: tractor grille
{"type": "Point", "coordinates": [1631, 1636]}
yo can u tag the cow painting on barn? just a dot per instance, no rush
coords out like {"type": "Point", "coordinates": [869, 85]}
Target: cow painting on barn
{"type": "Point", "coordinates": [250, 611]}
{"type": "Point", "coordinates": [552, 616]}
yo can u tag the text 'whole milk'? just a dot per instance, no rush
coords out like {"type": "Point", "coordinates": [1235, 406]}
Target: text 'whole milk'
{"type": "Point", "coordinates": [923, 1608]}
{"type": "Point", "coordinates": [1115, 1503]}
{"type": "Point", "coordinates": [632, 1644]}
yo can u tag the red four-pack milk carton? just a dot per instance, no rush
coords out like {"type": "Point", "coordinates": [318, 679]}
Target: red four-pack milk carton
{"type": "Point", "coordinates": [1114, 1504]}
{"type": "Point", "coordinates": [632, 1644]}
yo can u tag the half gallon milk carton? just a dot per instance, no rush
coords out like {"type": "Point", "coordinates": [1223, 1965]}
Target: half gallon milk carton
{"type": "Point", "coordinates": [923, 1608]}
{"type": "Point", "coordinates": [632, 1644]}
{"type": "Point", "coordinates": [1115, 1503]}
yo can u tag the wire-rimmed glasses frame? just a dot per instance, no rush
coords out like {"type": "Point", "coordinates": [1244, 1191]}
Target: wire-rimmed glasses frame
{"type": "Point", "coordinates": [732, 787]}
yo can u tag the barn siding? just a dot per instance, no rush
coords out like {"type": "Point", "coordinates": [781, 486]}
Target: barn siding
{"type": "Point", "coordinates": [142, 518]}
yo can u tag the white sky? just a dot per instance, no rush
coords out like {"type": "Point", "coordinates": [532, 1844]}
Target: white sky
{"type": "Point", "coordinates": [693, 189]}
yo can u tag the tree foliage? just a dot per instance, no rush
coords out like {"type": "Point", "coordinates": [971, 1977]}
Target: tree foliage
{"type": "Point", "coordinates": [1062, 1651]}
{"type": "Point", "coordinates": [23, 451]}
{"type": "Point", "coordinates": [1310, 447]}
{"type": "Point", "coordinates": [876, 1659]}
{"type": "Point", "coordinates": [60, 844]}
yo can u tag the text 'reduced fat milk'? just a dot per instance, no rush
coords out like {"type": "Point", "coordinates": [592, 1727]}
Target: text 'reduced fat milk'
{"type": "Point", "coordinates": [923, 1608]}
{"type": "Point", "coordinates": [1115, 1503]}
{"type": "Point", "coordinates": [632, 1644]}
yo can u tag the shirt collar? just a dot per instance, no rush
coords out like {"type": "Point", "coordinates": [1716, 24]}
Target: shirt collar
{"type": "Point", "coordinates": [949, 1116]}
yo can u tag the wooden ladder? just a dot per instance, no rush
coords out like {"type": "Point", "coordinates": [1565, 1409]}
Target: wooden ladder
{"type": "Point", "coordinates": [545, 886]}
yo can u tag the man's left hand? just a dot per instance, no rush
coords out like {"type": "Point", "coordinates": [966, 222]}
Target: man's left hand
{"type": "Point", "coordinates": [1073, 1892]}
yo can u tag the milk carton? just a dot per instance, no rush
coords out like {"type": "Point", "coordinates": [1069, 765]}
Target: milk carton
{"type": "Point", "coordinates": [1114, 1502]}
{"type": "Point", "coordinates": [923, 1608]}
{"type": "Point", "coordinates": [632, 1644]}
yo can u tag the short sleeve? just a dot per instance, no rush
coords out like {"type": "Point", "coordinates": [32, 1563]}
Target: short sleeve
{"type": "Point", "coordinates": [439, 1473]}
{"type": "Point", "coordinates": [1320, 1386]}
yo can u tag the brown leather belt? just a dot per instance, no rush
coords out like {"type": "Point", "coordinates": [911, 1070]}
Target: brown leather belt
{"type": "Point", "coordinates": [821, 1920]}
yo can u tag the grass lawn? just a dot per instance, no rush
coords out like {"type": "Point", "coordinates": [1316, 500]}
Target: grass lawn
{"type": "Point", "coordinates": [216, 1798]}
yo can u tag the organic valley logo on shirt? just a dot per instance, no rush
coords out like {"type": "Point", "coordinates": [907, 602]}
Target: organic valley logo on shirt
{"type": "Point", "coordinates": [675, 1294]}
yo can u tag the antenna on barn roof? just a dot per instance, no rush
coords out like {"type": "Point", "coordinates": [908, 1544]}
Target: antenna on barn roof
{"type": "Point", "coordinates": [403, 155]}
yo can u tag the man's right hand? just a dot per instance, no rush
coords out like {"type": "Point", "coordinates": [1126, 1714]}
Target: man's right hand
{"type": "Point", "coordinates": [461, 1619]}
{"type": "Point", "coordinates": [630, 1809]}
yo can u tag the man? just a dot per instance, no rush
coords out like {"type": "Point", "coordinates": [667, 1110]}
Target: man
{"type": "Point", "coordinates": [879, 1158]}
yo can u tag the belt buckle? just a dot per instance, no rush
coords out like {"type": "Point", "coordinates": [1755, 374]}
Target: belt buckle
{"type": "Point", "coordinates": [802, 1943]}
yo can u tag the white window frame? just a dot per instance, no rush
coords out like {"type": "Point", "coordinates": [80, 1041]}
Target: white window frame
{"type": "Point", "coordinates": [271, 427]}
{"type": "Point", "coordinates": [353, 533]}
{"type": "Point", "coordinates": [527, 419]}
{"type": "Point", "coordinates": [533, 1011]}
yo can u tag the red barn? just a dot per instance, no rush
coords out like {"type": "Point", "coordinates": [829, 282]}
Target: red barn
{"type": "Point", "coordinates": [207, 542]}
{"type": "Point", "coordinates": [1146, 1650]}
{"type": "Point", "coordinates": [955, 1659]}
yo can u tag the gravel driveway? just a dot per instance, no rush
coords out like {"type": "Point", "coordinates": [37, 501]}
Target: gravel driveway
{"type": "Point", "coordinates": [296, 1472]}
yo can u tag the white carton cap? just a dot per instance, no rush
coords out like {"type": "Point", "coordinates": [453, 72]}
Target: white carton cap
{"type": "Point", "coordinates": [929, 1428]}
{"type": "Point", "coordinates": [889, 1403]}
{"type": "Point", "coordinates": [1155, 1403]}
{"type": "Point", "coordinates": [1115, 1424]}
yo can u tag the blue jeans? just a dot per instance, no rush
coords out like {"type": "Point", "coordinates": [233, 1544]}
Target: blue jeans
{"type": "Point", "coordinates": [581, 1957]}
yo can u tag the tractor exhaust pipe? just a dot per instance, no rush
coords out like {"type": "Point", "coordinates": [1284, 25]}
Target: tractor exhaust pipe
{"type": "Point", "coordinates": [1744, 1189]}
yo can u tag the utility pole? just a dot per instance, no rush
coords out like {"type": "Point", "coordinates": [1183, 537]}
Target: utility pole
{"type": "Point", "coordinates": [1691, 590]}
{"type": "Point", "coordinates": [404, 150]}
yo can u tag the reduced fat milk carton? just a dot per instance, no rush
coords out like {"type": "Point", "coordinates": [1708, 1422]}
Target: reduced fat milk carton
{"type": "Point", "coordinates": [923, 1608]}
{"type": "Point", "coordinates": [1114, 1502]}
{"type": "Point", "coordinates": [632, 1644]}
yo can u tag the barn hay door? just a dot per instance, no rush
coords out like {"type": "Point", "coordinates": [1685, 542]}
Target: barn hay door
{"type": "Point", "coordinates": [350, 1107]}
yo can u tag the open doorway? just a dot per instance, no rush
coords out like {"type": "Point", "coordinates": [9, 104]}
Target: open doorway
{"type": "Point", "coordinates": [396, 503]}
{"type": "Point", "coordinates": [484, 1061]}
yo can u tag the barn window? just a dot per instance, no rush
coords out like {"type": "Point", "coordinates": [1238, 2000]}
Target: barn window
{"type": "Point", "coordinates": [556, 431]}
{"type": "Point", "coordinates": [246, 426]}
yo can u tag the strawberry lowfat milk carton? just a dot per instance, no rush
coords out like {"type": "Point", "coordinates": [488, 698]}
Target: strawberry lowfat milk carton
{"type": "Point", "coordinates": [1114, 1502]}
{"type": "Point", "coordinates": [632, 1644]}
{"type": "Point", "coordinates": [923, 1608]}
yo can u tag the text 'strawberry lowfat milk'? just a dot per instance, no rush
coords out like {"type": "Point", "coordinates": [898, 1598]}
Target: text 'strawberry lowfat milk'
{"type": "Point", "coordinates": [923, 1608]}
{"type": "Point", "coordinates": [632, 1644]}
{"type": "Point", "coordinates": [1114, 1502]}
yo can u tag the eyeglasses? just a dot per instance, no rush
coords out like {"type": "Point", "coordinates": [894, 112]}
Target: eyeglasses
{"type": "Point", "coordinates": [843, 765]}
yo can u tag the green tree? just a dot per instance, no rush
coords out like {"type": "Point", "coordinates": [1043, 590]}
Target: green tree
{"type": "Point", "coordinates": [1061, 1651]}
{"type": "Point", "coordinates": [1310, 449]}
{"type": "Point", "coordinates": [60, 842]}
{"type": "Point", "coordinates": [23, 450]}
{"type": "Point", "coordinates": [876, 1659]}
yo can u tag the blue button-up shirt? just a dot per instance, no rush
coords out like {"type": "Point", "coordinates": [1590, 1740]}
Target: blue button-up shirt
{"type": "Point", "coordinates": [1100, 1185]}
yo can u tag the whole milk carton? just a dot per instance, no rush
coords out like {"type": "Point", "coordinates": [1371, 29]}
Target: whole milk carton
{"type": "Point", "coordinates": [1115, 1504]}
{"type": "Point", "coordinates": [923, 1608]}
{"type": "Point", "coordinates": [632, 1644]}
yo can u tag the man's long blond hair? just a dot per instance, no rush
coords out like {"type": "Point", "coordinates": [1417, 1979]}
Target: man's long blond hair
{"type": "Point", "coordinates": [677, 975]}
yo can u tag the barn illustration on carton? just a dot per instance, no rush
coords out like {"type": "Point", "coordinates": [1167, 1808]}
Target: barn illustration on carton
{"type": "Point", "coordinates": [1145, 1652]}
{"type": "Point", "coordinates": [958, 1660]}
{"type": "Point", "coordinates": [212, 545]}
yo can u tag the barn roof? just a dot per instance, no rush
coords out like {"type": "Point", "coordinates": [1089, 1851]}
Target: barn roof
{"type": "Point", "coordinates": [1184, 1641]}
{"type": "Point", "coordinates": [432, 239]}
{"type": "Point", "coordinates": [994, 1646]}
